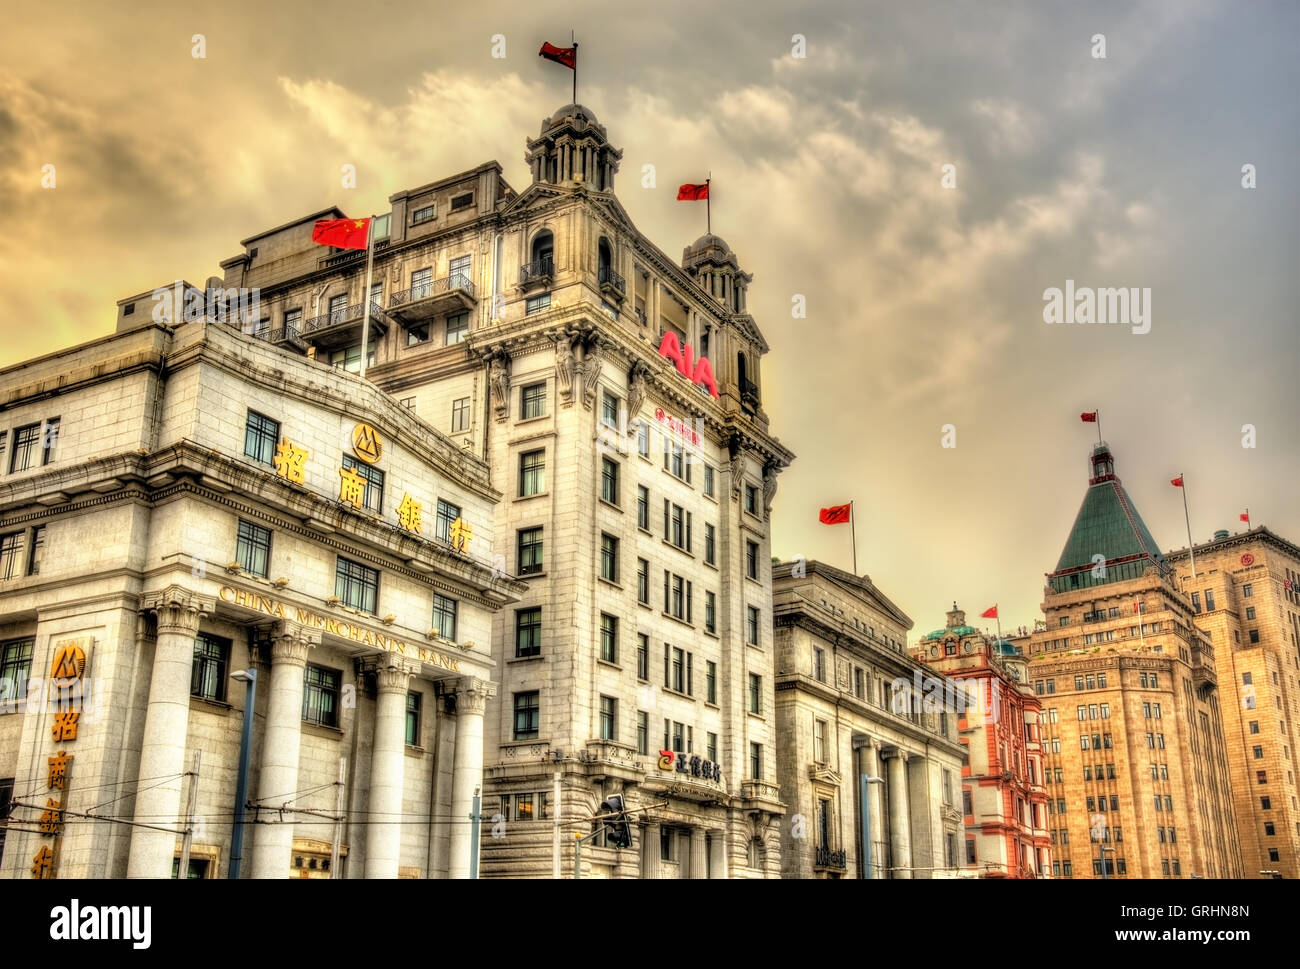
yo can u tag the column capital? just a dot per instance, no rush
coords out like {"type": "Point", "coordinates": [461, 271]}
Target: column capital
{"type": "Point", "coordinates": [472, 695]}
{"type": "Point", "coordinates": [892, 752]}
{"type": "Point", "coordinates": [394, 679]}
{"type": "Point", "coordinates": [290, 646]}
{"type": "Point", "coordinates": [177, 609]}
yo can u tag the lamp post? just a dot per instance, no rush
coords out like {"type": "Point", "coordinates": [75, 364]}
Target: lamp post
{"type": "Point", "coordinates": [866, 783]}
{"type": "Point", "coordinates": [249, 678]}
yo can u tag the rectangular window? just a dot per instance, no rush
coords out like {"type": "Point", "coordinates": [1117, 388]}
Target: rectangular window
{"type": "Point", "coordinates": [320, 695]}
{"type": "Point", "coordinates": [458, 269]}
{"type": "Point", "coordinates": [609, 481]}
{"type": "Point", "coordinates": [457, 328]}
{"type": "Point", "coordinates": [642, 656]}
{"type": "Point", "coordinates": [708, 480]}
{"type": "Point", "coordinates": [1247, 590]}
{"type": "Point", "coordinates": [423, 214]}
{"type": "Point", "coordinates": [711, 684]}
{"type": "Point", "coordinates": [643, 582]}
{"type": "Point", "coordinates": [530, 551]}
{"type": "Point", "coordinates": [260, 436]}
{"type": "Point", "coordinates": [50, 441]}
{"type": "Point", "coordinates": [208, 674]}
{"type": "Point", "coordinates": [528, 632]}
{"type": "Point", "coordinates": [609, 409]}
{"type": "Point", "coordinates": [462, 201]}
{"type": "Point", "coordinates": [710, 613]}
{"type": "Point", "coordinates": [711, 747]}
{"type": "Point", "coordinates": [535, 304]}
{"type": "Point", "coordinates": [532, 473]}
{"type": "Point", "coordinates": [1209, 600]}
{"type": "Point", "coordinates": [608, 718]}
{"type": "Point", "coordinates": [710, 545]}
{"type": "Point", "coordinates": [373, 495]}
{"type": "Point", "coordinates": [532, 401]}
{"type": "Point", "coordinates": [756, 761]}
{"type": "Point", "coordinates": [643, 507]}
{"type": "Point", "coordinates": [643, 439]}
{"type": "Point", "coordinates": [819, 664]}
{"type": "Point", "coordinates": [15, 670]}
{"type": "Point", "coordinates": [527, 715]}
{"type": "Point", "coordinates": [413, 719]}
{"type": "Point", "coordinates": [642, 732]}
{"type": "Point", "coordinates": [608, 638]}
{"type": "Point", "coordinates": [819, 741]}
{"type": "Point", "coordinates": [751, 499]}
{"type": "Point", "coordinates": [755, 693]}
{"type": "Point", "coordinates": [679, 671]}
{"type": "Point", "coordinates": [11, 555]}
{"type": "Point", "coordinates": [859, 688]}
{"type": "Point", "coordinates": [357, 585]}
{"type": "Point", "coordinates": [460, 415]}
{"type": "Point", "coordinates": [444, 616]}
{"type": "Point", "coordinates": [422, 279]}
{"type": "Point", "coordinates": [608, 557]}
{"type": "Point", "coordinates": [253, 548]}
{"type": "Point", "coordinates": [751, 625]}
{"type": "Point", "coordinates": [751, 559]}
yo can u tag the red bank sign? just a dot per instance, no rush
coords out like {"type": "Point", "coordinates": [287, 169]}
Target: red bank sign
{"type": "Point", "coordinates": [681, 355]}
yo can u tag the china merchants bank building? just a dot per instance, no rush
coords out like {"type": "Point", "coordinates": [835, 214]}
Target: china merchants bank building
{"type": "Point", "coordinates": [180, 503]}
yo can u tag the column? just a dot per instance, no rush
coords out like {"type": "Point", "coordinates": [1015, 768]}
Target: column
{"type": "Point", "coordinates": [650, 851]}
{"type": "Point", "coordinates": [718, 854]}
{"type": "Point", "coordinates": [162, 749]}
{"type": "Point", "coordinates": [879, 837]}
{"type": "Point", "coordinates": [388, 759]}
{"type": "Point", "coordinates": [273, 843]}
{"type": "Point", "coordinates": [899, 813]}
{"type": "Point", "coordinates": [467, 770]}
{"type": "Point", "coordinates": [699, 855]}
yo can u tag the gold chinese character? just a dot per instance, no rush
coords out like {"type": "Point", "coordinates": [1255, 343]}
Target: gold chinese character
{"type": "Point", "coordinates": [352, 488]}
{"type": "Point", "coordinates": [43, 863]}
{"type": "Point", "coordinates": [65, 726]}
{"type": "Point", "coordinates": [59, 770]}
{"type": "Point", "coordinates": [461, 533]}
{"type": "Point", "coordinates": [51, 818]}
{"type": "Point", "coordinates": [408, 513]}
{"type": "Point", "coordinates": [289, 461]}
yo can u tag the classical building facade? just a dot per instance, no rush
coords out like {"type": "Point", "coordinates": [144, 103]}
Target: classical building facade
{"type": "Point", "coordinates": [1246, 599]}
{"type": "Point", "coordinates": [1004, 800]}
{"type": "Point", "coordinates": [616, 395]}
{"type": "Point", "coordinates": [182, 503]}
{"type": "Point", "coordinates": [851, 701]}
{"type": "Point", "coordinates": [1135, 756]}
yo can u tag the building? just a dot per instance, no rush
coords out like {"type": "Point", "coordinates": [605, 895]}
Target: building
{"type": "Point", "coordinates": [1004, 800]}
{"type": "Point", "coordinates": [616, 395]}
{"type": "Point", "coordinates": [851, 701]}
{"type": "Point", "coordinates": [183, 503]}
{"type": "Point", "coordinates": [1246, 599]}
{"type": "Point", "coordinates": [1135, 758]}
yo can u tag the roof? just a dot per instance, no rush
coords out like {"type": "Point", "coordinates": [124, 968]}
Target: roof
{"type": "Point", "coordinates": [955, 630]}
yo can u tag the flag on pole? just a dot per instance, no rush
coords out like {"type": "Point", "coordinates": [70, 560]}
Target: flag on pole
{"type": "Point", "coordinates": [693, 193]}
{"type": "Point", "coordinates": [1089, 417]}
{"type": "Point", "coordinates": [835, 515]}
{"type": "Point", "coordinates": [1245, 516]}
{"type": "Point", "coordinates": [568, 56]}
{"type": "Point", "coordinates": [1177, 482]}
{"type": "Point", "coordinates": [342, 233]}
{"type": "Point", "coordinates": [991, 613]}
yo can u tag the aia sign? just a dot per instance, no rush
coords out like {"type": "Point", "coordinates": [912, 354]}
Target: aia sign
{"type": "Point", "coordinates": [681, 355]}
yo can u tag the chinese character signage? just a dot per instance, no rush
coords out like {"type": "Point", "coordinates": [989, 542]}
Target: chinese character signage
{"type": "Point", "coordinates": [690, 765]}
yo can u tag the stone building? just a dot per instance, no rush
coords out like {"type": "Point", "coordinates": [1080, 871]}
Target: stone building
{"type": "Point", "coordinates": [616, 395]}
{"type": "Point", "coordinates": [181, 503]}
{"type": "Point", "coordinates": [1246, 599]}
{"type": "Point", "coordinates": [1135, 757]}
{"type": "Point", "coordinates": [847, 705]}
{"type": "Point", "coordinates": [1003, 797]}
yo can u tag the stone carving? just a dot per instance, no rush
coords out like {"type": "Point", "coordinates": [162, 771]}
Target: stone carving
{"type": "Point", "coordinates": [177, 610]}
{"type": "Point", "coordinates": [592, 360]}
{"type": "Point", "coordinates": [769, 487]}
{"type": "Point", "coordinates": [737, 465]}
{"type": "Point", "coordinates": [564, 365]}
{"type": "Point", "coordinates": [499, 383]}
{"type": "Point", "coordinates": [636, 394]}
{"type": "Point", "coordinates": [472, 695]}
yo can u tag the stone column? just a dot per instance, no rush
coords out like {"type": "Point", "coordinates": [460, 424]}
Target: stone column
{"type": "Point", "coordinates": [467, 771]}
{"type": "Point", "coordinates": [699, 855]}
{"type": "Point", "coordinates": [387, 762]}
{"type": "Point", "coordinates": [273, 843]}
{"type": "Point", "coordinates": [650, 849]}
{"type": "Point", "coordinates": [879, 836]}
{"type": "Point", "coordinates": [718, 854]}
{"type": "Point", "coordinates": [899, 813]}
{"type": "Point", "coordinates": [162, 750]}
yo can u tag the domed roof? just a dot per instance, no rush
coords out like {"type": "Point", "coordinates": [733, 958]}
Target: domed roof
{"type": "Point", "coordinates": [956, 630]}
{"type": "Point", "coordinates": [1004, 648]}
{"type": "Point", "coordinates": [708, 240]}
{"type": "Point", "coordinates": [574, 111]}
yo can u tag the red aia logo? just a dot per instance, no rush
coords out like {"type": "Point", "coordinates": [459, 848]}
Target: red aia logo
{"type": "Point", "coordinates": [681, 355]}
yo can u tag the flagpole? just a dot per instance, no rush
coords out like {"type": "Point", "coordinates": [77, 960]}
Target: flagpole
{"type": "Point", "coordinates": [1188, 517]}
{"type": "Point", "coordinates": [708, 217]}
{"type": "Point", "coordinates": [1098, 426]}
{"type": "Point", "coordinates": [370, 265]}
{"type": "Point", "coordinates": [573, 40]}
{"type": "Point", "coordinates": [853, 530]}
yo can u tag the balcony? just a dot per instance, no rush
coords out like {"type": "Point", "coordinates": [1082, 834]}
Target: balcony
{"type": "Point", "coordinates": [344, 326]}
{"type": "Point", "coordinates": [611, 283]}
{"type": "Point", "coordinates": [832, 859]}
{"type": "Point", "coordinates": [539, 272]}
{"type": "Point", "coordinates": [283, 336]}
{"type": "Point", "coordinates": [748, 391]}
{"type": "Point", "coordinates": [640, 316]}
{"type": "Point", "coordinates": [423, 302]}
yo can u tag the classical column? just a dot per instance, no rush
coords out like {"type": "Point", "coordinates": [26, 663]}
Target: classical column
{"type": "Point", "coordinates": [650, 852]}
{"type": "Point", "coordinates": [273, 843]}
{"type": "Point", "coordinates": [162, 749]}
{"type": "Point", "coordinates": [879, 837]}
{"type": "Point", "coordinates": [388, 758]}
{"type": "Point", "coordinates": [699, 854]}
{"type": "Point", "coordinates": [718, 854]}
{"type": "Point", "coordinates": [899, 833]}
{"type": "Point", "coordinates": [467, 770]}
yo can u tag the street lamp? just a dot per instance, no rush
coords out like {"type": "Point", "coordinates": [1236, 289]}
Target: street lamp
{"type": "Point", "coordinates": [866, 821]}
{"type": "Point", "coordinates": [249, 678]}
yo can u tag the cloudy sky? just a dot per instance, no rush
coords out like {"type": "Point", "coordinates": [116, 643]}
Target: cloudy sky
{"type": "Point", "coordinates": [924, 303]}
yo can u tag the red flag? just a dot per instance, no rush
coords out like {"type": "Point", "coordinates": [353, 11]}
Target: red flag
{"type": "Point", "coordinates": [1245, 517]}
{"type": "Point", "coordinates": [1089, 417]}
{"type": "Point", "coordinates": [693, 193]}
{"type": "Point", "coordinates": [342, 233]}
{"type": "Point", "coordinates": [1177, 482]}
{"type": "Point", "coordinates": [1137, 605]}
{"type": "Point", "coordinates": [835, 515]}
{"type": "Point", "coordinates": [568, 56]}
{"type": "Point", "coordinates": [990, 613]}
{"type": "Point", "coordinates": [1286, 584]}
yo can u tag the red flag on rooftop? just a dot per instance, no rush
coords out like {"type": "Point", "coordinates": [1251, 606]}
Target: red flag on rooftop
{"type": "Point", "coordinates": [1089, 417]}
{"type": "Point", "coordinates": [693, 193]}
{"type": "Point", "coordinates": [1177, 482]}
{"type": "Point", "coordinates": [1245, 516]}
{"type": "Point", "coordinates": [991, 613]}
{"type": "Point", "coordinates": [568, 56]}
{"type": "Point", "coordinates": [835, 515]}
{"type": "Point", "coordinates": [342, 233]}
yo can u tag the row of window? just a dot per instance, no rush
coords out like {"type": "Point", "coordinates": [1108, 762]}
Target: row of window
{"type": "Point", "coordinates": [21, 552]}
{"type": "Point", "coordinates": [28, 441]}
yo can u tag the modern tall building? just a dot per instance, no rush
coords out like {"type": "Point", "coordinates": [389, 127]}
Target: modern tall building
{"type": "Point", "coordinates": [852, 703]}
{"type": "Point", "coordinates": [1004, 801]}
{"type": "Point", "coordinates": [1246, 599]}
{"type": "Point", "coordinates": [616, 394]}
{"type": "Point", "coordinates": [181, 507]}
{"type": "Point", "coordinates": [1135, 755]}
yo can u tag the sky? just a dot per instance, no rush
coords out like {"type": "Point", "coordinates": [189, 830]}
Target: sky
{"type": "Point", "coordinates": [924, 320]}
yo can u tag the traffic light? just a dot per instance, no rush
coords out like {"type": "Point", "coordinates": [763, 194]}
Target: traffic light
{"type": "Point", "coordinates": [618, 832]}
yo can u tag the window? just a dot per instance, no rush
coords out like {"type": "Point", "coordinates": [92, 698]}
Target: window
{"type": "Point", "coordinates": [642, 656]}
{"type": "Point", "coordinates": [710, 613]}
{"type": "Point", "coordinates": [751, 499]}
{"type": "Point", "coordinates": [208, 674]}
{"type": "Point", "coordinates": [373, 495]}
{"type": "Point", "coordinates": [676, 460]}
{"type": "Point", "coordinates": [751, 559]}
{"type": "Point", "coordinates": [11, 554]}
{"type": "Point", "coordinates": [528, 632]}
{"type": "Point", "coordinates": [462, 201]}
{"type": "Point", "coordinates": [609, 481]}
{"type": "Point", "coordinates": [643, 507]}
{"type": "Point", "coordinates": [819, 664]}
{"type": "Point", "coordinates": [532, 473]}
{"type": "Point", "coordinates": [357, 585]}
{"type": "Point", "coordinates": [1265, 804]}
{"type": "Point", "coordinates": [458, 271]}
{"type": "Point", "coordinates": [643, 438]}
{"type": "Point", "coordinates": [460, 415]}
{"type": "Point", "coordinates": [535, 304]}
{"type": "Point", "coordinates": [608, 558]}
{"type": "Point", "coordinates": [1209, 600]}
{"type": "Point", "coordinates": [643, 582]}
{"type": "Point", "coordinates": [711, 747]}
{"type": "Point", "coordinates": [457, 328]}
{"type": "Point", "coordinates": [253, 548]}
{"type": "Point", "coordinates": [532, 401]}
{"type": "Point", "coordinates": [674, 669]}
{"type": "Point", "coordinates": [677, 526]}
{"type": "Point", "coordinates": [50, 441]}
{"type": "Point", "coordinates": [608, 718]}
{"type": "Point", "coordinates": [609, 409]}
{"type": "Point", "coordinates": [1250, 612]}
{"type": "Point", "coordinates": [608, 638]}
{"type": "Point", "coordinates": [751, 625]}
{"type": "Point", "coordinates": [24, 452]}
{"type": "Point", "coordinates": [260, 435]}
{"type": "Point", "coordinates": [527, 715]}
{"type": "Point", "coordinates": [422, 214]}
{"type": "Point", "coordinates": [710, 684]}
{"type": "Point", "coordinates": [678, 595]}
{"type": "Point", "coordinates": [1254, 635]}
{"type": "Point", "coordinates": [1254, 726]}
{"type": "Point", "coordinates": [642, 732]}
{"type": "Point", "coordinates": [413, 719]}
{"type": "Point", "coordinates": [1270, 829]}
{"type": "Point", "coordinates": [755, 693]}
{"type": "Point", "coordinates": [530, 551]}
{"type": "Point", "coordinates": [1078, 682]}
{"type": "Point", "coordinates": [320, 697]}
{"type": "Point", "coordinates": [444, 616]}
{"type": "Point", "coordinates": [756, 761]}
{"type": "Point", "coordinates": [1261, 777]}
{"type": "Point", "coordinates": [708, 480]}
{"type": "Point", "coordinates": [1247, 590]}
{"type": "Point", "coordinates": [710, 545]}
{"type": "Point", "coordinates": [15, 670]}
{"type": "Point", "coordinates": [1082, 712]}
{"type": "Point", "coordinates": [1105, 710]}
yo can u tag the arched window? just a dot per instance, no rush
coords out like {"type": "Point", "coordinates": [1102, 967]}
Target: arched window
{"type": "Point", "coordinates": [741, 373]}
{"type": "Point", "coordinates": [543, 251]}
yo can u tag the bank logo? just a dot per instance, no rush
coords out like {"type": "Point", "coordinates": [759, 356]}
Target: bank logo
{"type": "Point", "coordinates": [366, 443]}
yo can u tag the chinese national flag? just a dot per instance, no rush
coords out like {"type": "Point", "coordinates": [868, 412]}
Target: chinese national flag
{"type": "Point", "coordinates": [568, 56]}
{"type": "Point", "coordinates": [990, 613]}
{"type": "Point", "coordinates": [1089, 418]}
{"type": "Point", "coordinates": [835, 515]}
{"type": "Point", "coordinates": [1245, 517]}
{"type": "Point", "coordinates": [1177, 482]}
{"type": "Point", "coordinates": [342, 233]}
{"type": "Point", "coordinates": [693, 193]}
